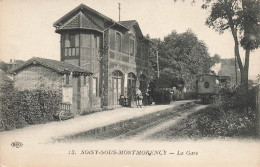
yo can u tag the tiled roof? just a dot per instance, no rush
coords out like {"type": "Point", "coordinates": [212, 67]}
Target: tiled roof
{"type": "Point", "coordinates": [85, 9]}
{"type": "Point", "coordinates": [128, 23]}
{"type": "Point", "coordinates": [133, 23]}
{"type": "Point", "coordinates": [59, 66]}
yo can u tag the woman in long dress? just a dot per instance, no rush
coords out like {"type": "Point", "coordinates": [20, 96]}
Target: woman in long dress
{"type": "Point", "coordinates": [132, 97]}
{"type": "Point", "coordinates": [139, 97]}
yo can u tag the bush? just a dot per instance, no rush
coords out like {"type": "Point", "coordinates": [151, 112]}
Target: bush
{"type": "Point", "coordinates": [19, 108]}
{"type": "Point", "coordinates": [233, 97]}
{"type": "Point", "coordinates": [230, 123]}
{"type": "Point", "coordinates": [162, 96]}
{"type": "Point", "coordinates": [229, 116]}
{"type": "Point", "coordinates": [190, 95]}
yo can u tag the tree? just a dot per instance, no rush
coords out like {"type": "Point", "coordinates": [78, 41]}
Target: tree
{"type": "Point", "coordinates": [182, 57]}
{"type": "Point", "coordinates": [3, 66]}
{"type": "Point", "coordinates": [242, 18]}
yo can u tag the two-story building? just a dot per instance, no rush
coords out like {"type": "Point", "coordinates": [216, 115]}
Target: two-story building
{"type": "Point", "coordinates": [115, 52]}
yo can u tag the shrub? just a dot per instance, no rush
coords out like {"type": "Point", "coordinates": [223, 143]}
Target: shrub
{"type": "Point", "coordinates": [190, 95]}
{"type": "Point", "coordinates": [229, 116]}
{"type": "Point", "coordinates": [162, 96]}
{"type": "Point", "coordinates": [19, 108]}
{"type": "Point", "coordinates": [229, 123]}
{"type": "Point", "coordinates": [233, 97]}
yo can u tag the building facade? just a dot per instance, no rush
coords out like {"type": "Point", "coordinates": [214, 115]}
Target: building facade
{"type": "Point", "coordinates": [70, 81]}
{"type": "Point", "coordinates": [115, 52]}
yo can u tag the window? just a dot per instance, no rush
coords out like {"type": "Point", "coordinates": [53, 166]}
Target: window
{"type": "Point", "coordinates": [206, 84]}
{"type": "Point", "coordinates": [71, 45]}
{"type": "Point", "coordinates": [96, 42]}
{"type": "Point", "coordinates": [118, 42]}
{"type": "Point", "coordinates": [132, 47]}
{"type": "Point", "coordinates": [95, 87]}
{"type": "Point", "coordinates": [131, 80]}
{"type": "Point", "coordinates": [67, 79]}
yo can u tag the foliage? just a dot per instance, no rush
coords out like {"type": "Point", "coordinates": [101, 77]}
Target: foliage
{"type": "Point", "coordinates": [3, 66]}
{"type": "Point", "coordinates": [226, 118]}
{"type": "Point", "coordinates": [181, 58]}
{"type": "Point", "coordinates": [152, 65]}
{"type": "Point", "coordinates": [232, 97]}
{"type": "Point", "coordinates": [190, 95]}
{"type": "Point", "coordinates": [227, 123]}
{"type": "Point", "coordinates": [10, 118]}
{"type": "Point", "coordinates": [162, 96]}
{"type": "Point", "coordinates": [19, 108]}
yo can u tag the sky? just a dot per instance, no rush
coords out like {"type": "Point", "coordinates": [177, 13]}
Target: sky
{"type": "Point", "coordinates": [26, 26]}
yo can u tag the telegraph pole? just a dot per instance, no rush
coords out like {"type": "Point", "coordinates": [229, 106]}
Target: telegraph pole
{"type": "Point", "coordinates": [158, 74]}
{"type": "Point", "coordinates": [236, 68]}
{"type": "Point", "coordinates": [119, 9]}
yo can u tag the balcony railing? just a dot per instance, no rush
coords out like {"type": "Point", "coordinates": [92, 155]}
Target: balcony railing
{"type": "Point", "coordinates": [84, 51]}
{"type": "Point", "coordinates": [71, 51]}
{"type": "Point", "coordinates": [127, 58]}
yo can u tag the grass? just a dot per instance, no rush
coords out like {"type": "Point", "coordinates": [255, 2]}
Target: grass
{"type": "Point", "coordinates": [212, 122]}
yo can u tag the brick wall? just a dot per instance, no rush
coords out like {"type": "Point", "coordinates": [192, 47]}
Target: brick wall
{"type": "Point", "coordinates": [35, 77]}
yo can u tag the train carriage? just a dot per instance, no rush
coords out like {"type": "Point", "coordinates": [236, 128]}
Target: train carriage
{"type": "Point", "coordinates": [209, 85]}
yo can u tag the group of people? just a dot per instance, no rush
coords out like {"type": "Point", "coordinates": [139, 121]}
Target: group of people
{"type": "Point", "coordinates": [135, 96]}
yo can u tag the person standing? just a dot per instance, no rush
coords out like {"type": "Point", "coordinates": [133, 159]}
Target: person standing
{"type": "Point", "coordinates": [132, 97]}
{"type": "Point", "coordinates": [139, 98]}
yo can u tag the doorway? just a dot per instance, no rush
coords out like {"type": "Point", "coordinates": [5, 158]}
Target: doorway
{"type": "Point", "coordinates": [116, 86]}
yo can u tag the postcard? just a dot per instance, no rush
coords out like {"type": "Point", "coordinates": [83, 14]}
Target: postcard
{"type": "Point", "coordinates": [129, 83]}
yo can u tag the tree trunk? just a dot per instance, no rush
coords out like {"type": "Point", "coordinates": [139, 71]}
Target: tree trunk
{"type": "Point", "coordinates": [244, 78]}
{"type": "Point", "coordinates": [244, 72]}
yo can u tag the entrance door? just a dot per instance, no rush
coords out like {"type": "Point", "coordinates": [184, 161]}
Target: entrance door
{"type": "Point", "coordinates": [116, 87]}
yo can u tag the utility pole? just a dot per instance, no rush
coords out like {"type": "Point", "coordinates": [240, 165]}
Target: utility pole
{"type": "Point", "coordinates": [236, 68]}
{"type": "Point", "coordinates": [158, 74]}
{"type": "Point", "coordinates": [119, 9]}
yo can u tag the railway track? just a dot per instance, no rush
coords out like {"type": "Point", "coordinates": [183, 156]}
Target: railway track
{"type": "Point", "coordinates": [132, 127]}
{"type": "Point", "coordinates": [135, 132]}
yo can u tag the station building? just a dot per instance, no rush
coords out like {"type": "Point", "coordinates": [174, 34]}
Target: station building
{"type": "Point", "coordinates": [101, 60]}
{"type": "Point", "coordinates": [115, 52]}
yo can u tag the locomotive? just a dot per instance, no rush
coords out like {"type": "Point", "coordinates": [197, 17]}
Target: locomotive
{"type": "Point", "coordinates": [209, 85]}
